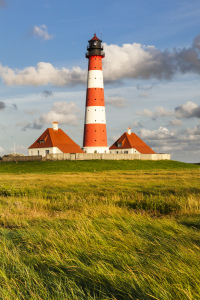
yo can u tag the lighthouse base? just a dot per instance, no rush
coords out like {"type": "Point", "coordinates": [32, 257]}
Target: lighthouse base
{"type": "Point", "coordinates": [96, 149]}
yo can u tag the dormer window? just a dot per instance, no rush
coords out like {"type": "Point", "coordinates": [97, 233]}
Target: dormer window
{"type": "Point", "coordinates": [41, 141]}
{"type": "Point", "coordinates": [119, 145]}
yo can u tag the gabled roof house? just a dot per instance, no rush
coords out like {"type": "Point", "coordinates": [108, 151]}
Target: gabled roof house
{"type": "Point", "coordinates": [130, 143]}
{"type": "Point", "coordinates": [54, 140]}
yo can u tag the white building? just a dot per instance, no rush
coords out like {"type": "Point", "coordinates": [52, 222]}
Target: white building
{"type": "Point", "coordinates": [130, 143]}
{"type": "Point", "coordinates": [53, 140]}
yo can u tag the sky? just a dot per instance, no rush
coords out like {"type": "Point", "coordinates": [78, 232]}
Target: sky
{"type": "Point", "coordinates": [151, 71]}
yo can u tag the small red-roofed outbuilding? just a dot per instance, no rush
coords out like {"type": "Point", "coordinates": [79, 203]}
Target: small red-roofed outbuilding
{"type": "Point", "coordinates": [130, 143]}
{"type": "Point", "coordinates": [54, 140]}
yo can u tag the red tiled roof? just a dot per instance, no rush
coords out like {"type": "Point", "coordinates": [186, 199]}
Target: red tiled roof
{"type": "Point", "coordinates": [56, 138]}
{"type": "Point", "coordinates": [95, 38]}
{"type": "Point", "coordinates": [132, 141]}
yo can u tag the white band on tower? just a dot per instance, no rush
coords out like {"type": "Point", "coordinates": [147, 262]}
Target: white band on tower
{"type": "Point", "coordinates": [95, 114]}
{"type": "Point", "coordinates": [95, 79]}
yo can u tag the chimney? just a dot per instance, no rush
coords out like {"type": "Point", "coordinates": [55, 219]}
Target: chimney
{"type": "Point", "coordinates": [55, 125]}
{"type": "Point", "coordinates": [129, 130]}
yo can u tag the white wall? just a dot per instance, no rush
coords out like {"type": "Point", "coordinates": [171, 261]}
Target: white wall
{"type": "Point", "coordinates": [107, 156]}
{"type": "Point", "coordinates": [122, 151]}
{"type": "Point", "coordinates": [42, 151]}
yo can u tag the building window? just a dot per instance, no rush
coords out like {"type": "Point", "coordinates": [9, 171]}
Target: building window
{"type": "Point", "coordinates": [38, 152]}
{"type": "Point", "coordinates": [46, 152]}
{"type": "Point", "coordinates": [125, 152]}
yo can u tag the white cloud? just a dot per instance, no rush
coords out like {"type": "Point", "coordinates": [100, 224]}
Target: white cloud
{"type": "Point", "coordinates": [188, 110]}
{"type": "Point", "coordinates": [116, 101]}
{"type": "Point", "coordinates": [43, 74]}
{"type": "Point", "coordinates": [145, 112]}
{"type": "Point", "coordinates": [42, 32]}
{"type": "Point", "coordinates": [163, 112]}
{"type": "Point", "coordinates": [193, 133]}
{"type": "Point", "coordinates": [136, 61]}
{"type": "Point", "coordinates": [177, 143]}
{"type": "Point", "coordinates": [161, 133]}
{"type": "Point", "coordinates": [136, 124]}
{"type": "Point", "coordinates": [128, 61]}
{"type": "Point", "coordinates": [159, 112]}
{"type": "Point", "coordinates": [175, 122]}
{"type": "Point", "coordinates": [62, 112]}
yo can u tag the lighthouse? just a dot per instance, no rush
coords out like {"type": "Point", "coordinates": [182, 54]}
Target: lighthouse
{"type": "Point", "coordinates": [95, 136]}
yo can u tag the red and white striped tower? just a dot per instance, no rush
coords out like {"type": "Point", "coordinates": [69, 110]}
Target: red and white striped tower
{"type": "Point", "coordinates": [95, 136]}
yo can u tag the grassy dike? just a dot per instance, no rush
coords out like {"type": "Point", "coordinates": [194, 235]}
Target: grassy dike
{"type": "Point", "coordinates": [100, 230]}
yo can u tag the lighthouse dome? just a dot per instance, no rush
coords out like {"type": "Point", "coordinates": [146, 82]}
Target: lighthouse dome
{"type": "Point", "coordinates": [95, 47]}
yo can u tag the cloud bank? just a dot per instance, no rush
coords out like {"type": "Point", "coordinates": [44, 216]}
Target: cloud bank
{"type": "Point", "coordinates": [128, 61]}
{"type": "Point", "coordinates": [43, 74]}
{"type": "Point", "coordinates": [188, 110]}
{"type": "Point", "coordinates": [162, 140]}
{"type": "Point", "coordinates": [184, 111]}
{"type": "Point", "coordinates": [61, 112]}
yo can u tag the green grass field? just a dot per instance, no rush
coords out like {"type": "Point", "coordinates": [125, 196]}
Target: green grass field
{"type": "Point", "coordinates": [100, 230]}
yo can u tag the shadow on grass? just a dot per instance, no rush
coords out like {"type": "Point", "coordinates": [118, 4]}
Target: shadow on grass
{"type": "Point", "coordinates": [190, 221]}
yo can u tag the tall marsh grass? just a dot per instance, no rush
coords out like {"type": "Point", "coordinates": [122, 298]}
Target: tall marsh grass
{"type": "Point", "coordinates": [101, 235]}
